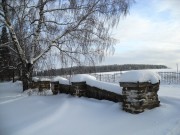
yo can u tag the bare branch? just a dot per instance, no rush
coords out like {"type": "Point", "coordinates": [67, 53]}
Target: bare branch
{"type": "Point", "coordinates": [1, 14]}
{"type": "Point", "coordinates": [6, 45]}
{"type": "Point", "coordinates": [38, 29]}
{"type": "Point", "coordinates": [41, 54]}
{"type": "Point", "coordinates": [65, 9]}
{"type": "Point", "coordinates": [55, 22]}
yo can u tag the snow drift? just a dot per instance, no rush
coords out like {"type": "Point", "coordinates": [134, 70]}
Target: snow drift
{"type": "Point", "coordinates": [66, 115]}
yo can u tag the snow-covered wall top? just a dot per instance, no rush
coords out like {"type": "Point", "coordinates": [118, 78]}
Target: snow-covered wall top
{"type": "Point", "coordinates": [81, 78]}
{"type": "Point", "coordinates": [105, 86]}
{"type": "Point", "coordinates": [61, 80]}
{"type": "Point", "coordinates": [45, 79]}
{"type": "Point", "coordinates": [140, 76]}
{"type": "Point", "coordinates": [35, 79]}
{"type": "Point", "coordinates": [91, 81]}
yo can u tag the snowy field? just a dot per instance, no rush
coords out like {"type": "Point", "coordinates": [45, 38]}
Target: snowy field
{"type": "Point", "coordinates": [154, 70]}
{"type": "Point", "coordinates": [21, 114]}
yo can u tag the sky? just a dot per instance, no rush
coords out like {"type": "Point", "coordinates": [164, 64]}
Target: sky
{"type": "Point", "coordinates": [149, 34]}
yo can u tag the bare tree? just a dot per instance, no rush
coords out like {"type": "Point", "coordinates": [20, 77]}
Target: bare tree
{"type": "Point", "coordinates": [79, 29]}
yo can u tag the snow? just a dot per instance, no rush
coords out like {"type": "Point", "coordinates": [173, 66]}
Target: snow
{"type": "Point", "coordinates": [81, 78]}
{"type": "Point", "coordinates": [140, 76]}
{"type": "Point", "coordinates": [105, 86]}
{"type": "Point", "coordinates": [91, 81]}
{"type": "Point", "coordinates": [170, 91]}
{"type": "Point", "coordinates": [36, 92]}
{"type": "Point", "coordinates": [45, 79]}
{"type": "Point", "coordinates": [60, 79]}
{"type": "Point", "coordinates": [63, 114]}
{"type": "Point", "coordinates": [35, 79]}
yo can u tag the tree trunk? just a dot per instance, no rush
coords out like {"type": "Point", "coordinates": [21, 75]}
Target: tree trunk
{"type": "Point", "coordinates": [27, 76]}
{"type": "Point", "coordinates": [25, 83]}
{"type": "Point", "coordinates": [13, 76]}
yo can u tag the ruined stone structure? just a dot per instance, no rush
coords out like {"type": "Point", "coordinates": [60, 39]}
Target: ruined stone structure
{"type": "Point", "coordinates": [139, 96]}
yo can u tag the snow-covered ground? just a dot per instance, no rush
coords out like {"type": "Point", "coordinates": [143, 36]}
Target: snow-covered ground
{"type": "Point", "coordinates": [154, 70]}
{"type": "Point", "coordinates": [62, 114]}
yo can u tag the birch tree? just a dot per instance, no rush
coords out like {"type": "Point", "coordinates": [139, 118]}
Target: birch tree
{"type": "Point", "coordinates": [79, 29]}
{"type": "Point", "coordinates": [4, 56]}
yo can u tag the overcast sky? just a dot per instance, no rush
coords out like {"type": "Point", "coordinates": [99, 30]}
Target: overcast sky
{"type": "Point", "coordinates": [150, 34]}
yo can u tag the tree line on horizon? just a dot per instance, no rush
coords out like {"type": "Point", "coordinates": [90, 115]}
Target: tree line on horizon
{"type": "Point", "coordinates": [96, 69]}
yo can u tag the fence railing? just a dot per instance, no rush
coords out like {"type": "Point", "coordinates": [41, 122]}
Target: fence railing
{"type": "Point", "coordinates": [166, 77]}
{"type": "Point", "coordinates": [113, 78]}
{"type": "Point", "coordinates": [170, 77]}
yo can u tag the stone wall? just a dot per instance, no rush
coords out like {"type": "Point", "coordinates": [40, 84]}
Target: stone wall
{"type": "Point", "coordinates": [34, 85]}
{"type": "Point", "coordinates": [44, 85]}
{"type": "Point", "coordinates": [67, 89]}
{"type": "Point", "coordinates": [82, 89]}
{"type": "Point", "coordinates": [135, 98]}
{"type": "Point", "coordinates": [139, 96]}
{"type": "Point", "coordinates": [94, 92]}
{"type": "Point", "coordinates": [79, 88]}
{"type": "Point", "coordinates": [55, 87]}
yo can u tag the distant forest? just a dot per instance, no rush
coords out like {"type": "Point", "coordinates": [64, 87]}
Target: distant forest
{"type": "Point", "coordinates": [97, 69]}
